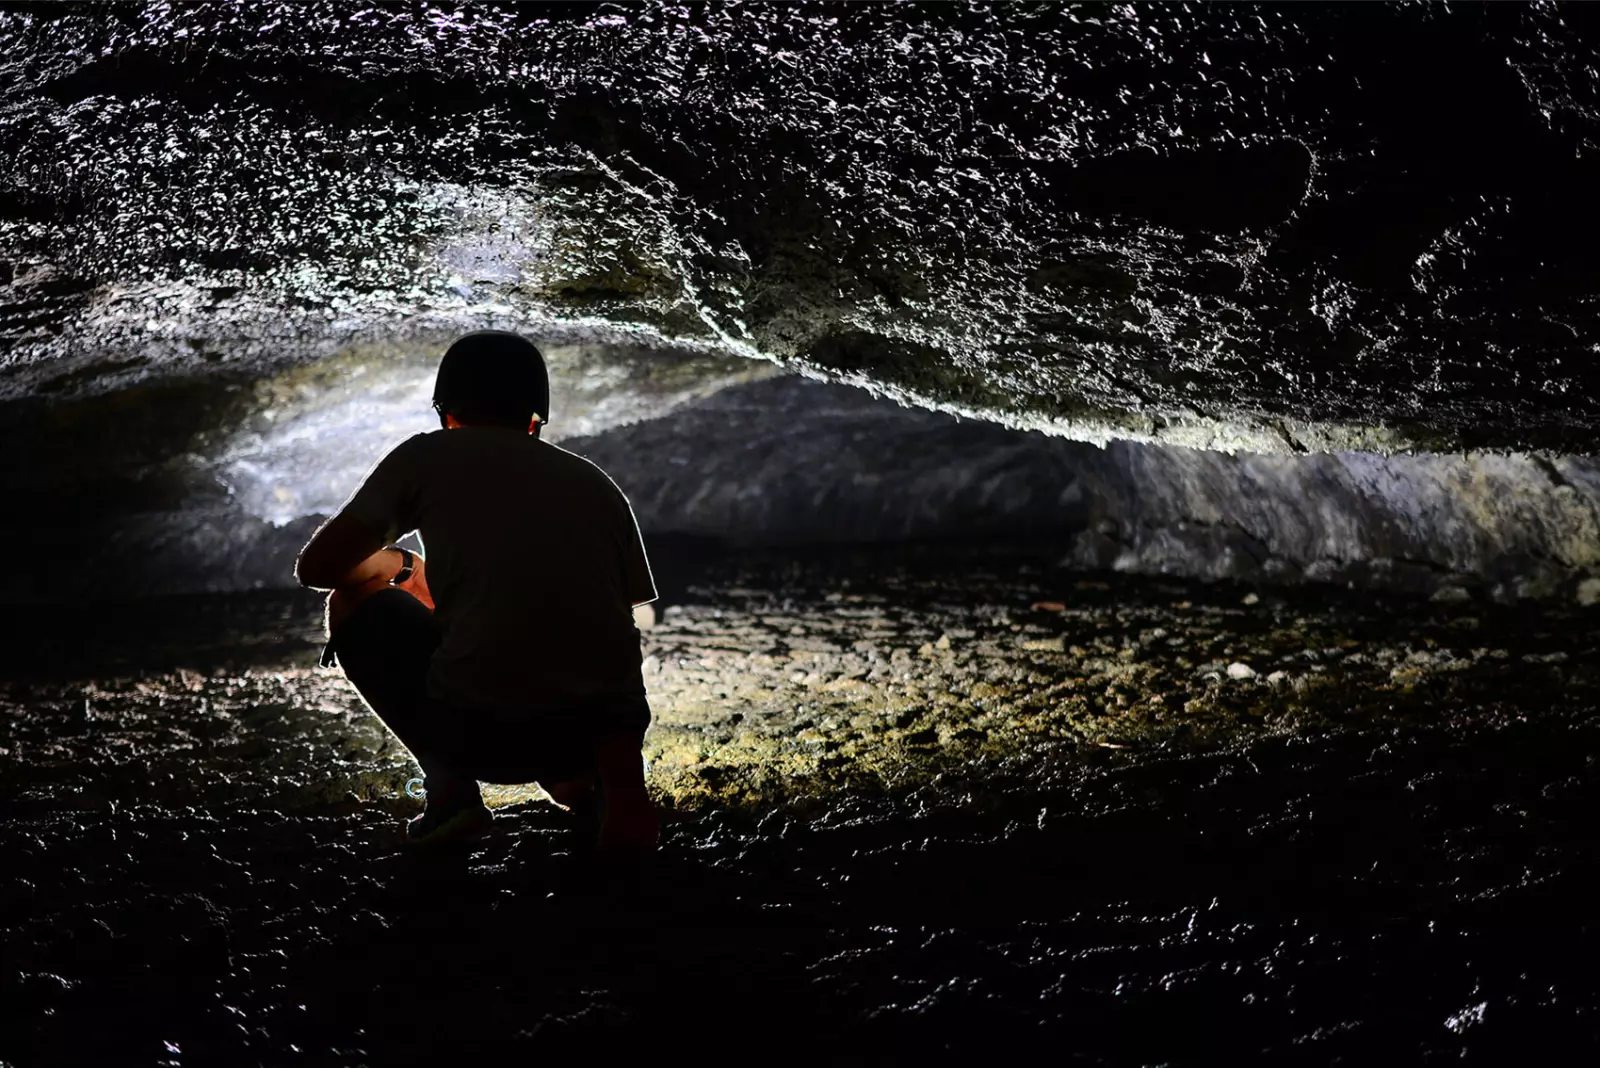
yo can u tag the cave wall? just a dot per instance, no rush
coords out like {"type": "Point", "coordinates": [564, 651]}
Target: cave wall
{"type": "Point", "coordinates": [786, 461]}
{"type": "Point", "coordinates": [214, 482]}
{"type": "Point", "coordinates": [1482, 525]}
{"type": "Point", "coordinates": [794, 462]}
{"type": "Point", "coordinates": [1264, 227]}
{"type": "Point", "coordinates": [1336, 261]}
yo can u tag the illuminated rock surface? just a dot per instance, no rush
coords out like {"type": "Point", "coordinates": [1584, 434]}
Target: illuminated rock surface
{"type": "Point", "coordinates": [1320, 279]}
{"type": "Point", "coordinates": [146, 491]}
{"type": "Point", "coordinates": [920, 808]}
{"type": "Point", "coordinates": [233, 238]}
{"type": "Point", "coordinates": [786, 462]}
{"type": "Point", "coordinates": [189, 486]}
{"type": "Point", "coordinates": [1282, 229]}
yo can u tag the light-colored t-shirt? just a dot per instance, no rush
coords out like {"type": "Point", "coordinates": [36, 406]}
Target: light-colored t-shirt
{"type": "Point", "coordinates": [534, 564]}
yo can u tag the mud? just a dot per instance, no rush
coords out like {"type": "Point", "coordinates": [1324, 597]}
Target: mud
{"type": "Point", "coordinates": [920, 805]}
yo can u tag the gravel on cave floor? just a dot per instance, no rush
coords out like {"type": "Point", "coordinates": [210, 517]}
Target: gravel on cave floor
{"type": "Point", "coordinates": [918, 806]}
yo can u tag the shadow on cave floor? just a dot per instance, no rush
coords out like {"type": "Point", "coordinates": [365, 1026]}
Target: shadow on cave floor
{"type": "Point", "coordinates": [919, 807]}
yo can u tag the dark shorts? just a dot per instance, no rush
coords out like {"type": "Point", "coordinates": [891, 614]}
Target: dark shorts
{"type": "Point", "coordinates": [384, 648]}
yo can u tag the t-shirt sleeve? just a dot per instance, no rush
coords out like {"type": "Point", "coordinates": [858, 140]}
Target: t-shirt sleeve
{"type": "Point", "coordinates": [385, 502]}
{"type": "Point", "coordinates": [637, 582]}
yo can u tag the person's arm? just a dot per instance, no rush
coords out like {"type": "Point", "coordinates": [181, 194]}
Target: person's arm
{"type": "Point", "coordinates": [345, 552]}
{"type": "Point", "coordinates": [348, 551]}
{"type": "Point", "coordinates": [339, 541]}
{"type": "Point", "coordinates": [376, 572]}
{"type": "Point", "coordinates": [638, 583]}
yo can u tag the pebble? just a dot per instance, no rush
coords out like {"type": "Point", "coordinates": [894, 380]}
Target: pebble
{"type": "Point", "coordinates": [755, 725]}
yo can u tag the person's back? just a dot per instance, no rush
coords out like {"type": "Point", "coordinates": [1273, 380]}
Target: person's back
{"type": "Point", "coordinates": [533, 565]}
{"type": "Point", "coordinates": [510, 655]}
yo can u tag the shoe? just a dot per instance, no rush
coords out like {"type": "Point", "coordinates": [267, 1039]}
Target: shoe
{"type": "Point", "coordinates": [445, 824]}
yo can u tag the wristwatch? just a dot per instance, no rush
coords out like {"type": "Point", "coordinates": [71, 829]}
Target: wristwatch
{"type": "Point", "coordinates": [407, 565]}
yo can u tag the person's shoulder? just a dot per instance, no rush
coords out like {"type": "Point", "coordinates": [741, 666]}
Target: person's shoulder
{"type": "Point", "coordinates": [418, 441]}
{"type": "Point", "coordinates": [556, 456]}
{"type": "Point", "coordinates": [579, 468]}
{"type": "Point", "coordinates": [416, 446]}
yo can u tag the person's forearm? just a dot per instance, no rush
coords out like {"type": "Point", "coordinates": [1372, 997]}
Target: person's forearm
{"type": "Point", "coordinates": [379, 568]}
{"type": "Point", "coordinates": [341, 547]}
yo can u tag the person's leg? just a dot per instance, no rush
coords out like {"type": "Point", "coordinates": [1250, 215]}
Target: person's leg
{"type": "Point", "coordinates": [629, 820]}
{"type": "Point", "coordinates": [570, 792]}
{"type": "Point", "coordinates": [580, 797]}
{"type": "Point", "coordinates": [586, 756]}
{"type": "Point", "coordinates": [384, 645]}
{"type": "Point", "coordinates": [591, 765]}
{"type": "Point", "coordinates": [589, 762]}
{"type": "Point", "coordinates": [556, 754]}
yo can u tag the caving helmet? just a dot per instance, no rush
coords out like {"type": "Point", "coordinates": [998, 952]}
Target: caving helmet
{"type": "Point", "coordinates": [493, 375]}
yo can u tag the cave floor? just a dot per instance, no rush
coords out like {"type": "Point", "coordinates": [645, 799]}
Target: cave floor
{"type": "Point", "coordinates": [921, 805]}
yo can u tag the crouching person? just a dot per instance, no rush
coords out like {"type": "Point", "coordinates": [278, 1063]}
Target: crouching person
{"type": "Point", "coordinates": [510, 655]}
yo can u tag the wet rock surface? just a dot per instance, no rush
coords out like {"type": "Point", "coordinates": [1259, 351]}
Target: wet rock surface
{"type": "Point", "coordinates": [790, 462]}
{"type": "Point", "coordinates": [1274, 228]}
{"type": "Point", "coordinates": [931, 803]}
{"type": "Point", "coordinates": [211, 485]}
{"type": "Point", "coordinates": [174, 496]}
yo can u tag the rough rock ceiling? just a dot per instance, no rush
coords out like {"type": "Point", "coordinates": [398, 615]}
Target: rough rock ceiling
{"type": "Point", "coordinates": [1266, 228]}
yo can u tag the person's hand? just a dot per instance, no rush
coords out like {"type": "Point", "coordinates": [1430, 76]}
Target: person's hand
{"type": "Point", "coordinates": [342, 601]}
{"type": "Point", "coordinates": [417, 584]}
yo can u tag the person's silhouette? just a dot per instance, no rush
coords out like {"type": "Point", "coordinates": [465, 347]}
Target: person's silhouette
{"type": "Point", "coordinates": [511, 655]}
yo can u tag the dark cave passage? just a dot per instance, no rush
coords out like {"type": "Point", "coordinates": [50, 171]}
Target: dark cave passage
{"type": "Point", "coordinates": [1122, 484]}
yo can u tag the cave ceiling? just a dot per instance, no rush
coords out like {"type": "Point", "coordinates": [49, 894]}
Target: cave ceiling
{"type": "Point", "coordinates": [1272, 228]}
